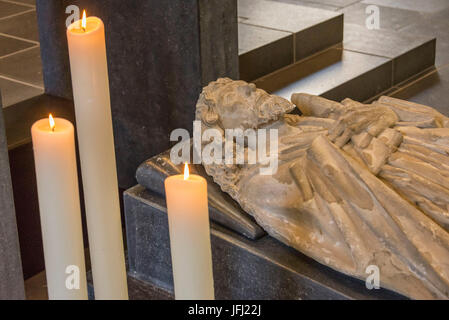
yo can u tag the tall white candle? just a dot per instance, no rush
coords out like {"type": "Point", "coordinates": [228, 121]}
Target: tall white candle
{"type": "Point", "coordinates": [188, 217]}
{"type": "Point", "coordinates": [59, 204]}
{"type": "Point", "coordinates": [90, 83]}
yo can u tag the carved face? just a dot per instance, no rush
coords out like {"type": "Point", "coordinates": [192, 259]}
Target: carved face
{"type": "Point", "coordinates": [237, 104]}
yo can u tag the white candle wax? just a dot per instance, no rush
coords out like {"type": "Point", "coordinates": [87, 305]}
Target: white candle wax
{"type": "Point", "coordinates": [57, 184]}
{"type": "Point", "coordinates": [90, 83]}
{"type": "Point", "coordinates": [188, 217]}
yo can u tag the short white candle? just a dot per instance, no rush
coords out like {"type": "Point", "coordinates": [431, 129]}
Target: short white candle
{"type": "Point", "coordinates": [88, 64]}
{"type": "Point", "coordinates": [59, 204]}
{"type": "Point", "coordinates": [188, 217]}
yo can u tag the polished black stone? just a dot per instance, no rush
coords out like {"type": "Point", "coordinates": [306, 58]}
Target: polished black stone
{"type": "Point", "coordinates": [18, 121]}
{"type": "Point", "coordinates": [369, 64]}
{"type": "Point", "coordinates": [11, 276]}
{"type": "Point", "coordinates": [322, 4]}
{"type": "Point", "coordinates": [160, 55]}
{"type": "Point", "coordinates": [312, 30]}
{"type": "Point", "coordinates": [243, 268]}
{"type": "Point", "coordinates": [24, 66]}
{"type": "Point", "coordinates": [321, 37]}
{"type": "Point", "coordinates": [310, 4]}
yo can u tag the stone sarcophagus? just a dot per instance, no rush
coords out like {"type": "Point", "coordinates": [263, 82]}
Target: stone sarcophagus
{"type": "Point", "coordinates": [356, 188]}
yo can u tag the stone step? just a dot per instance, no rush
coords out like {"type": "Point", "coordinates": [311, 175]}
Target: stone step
{"type": "Point", "coordinates": [273, 35]}
{"type": "Point", "coordinates": [369, 63]}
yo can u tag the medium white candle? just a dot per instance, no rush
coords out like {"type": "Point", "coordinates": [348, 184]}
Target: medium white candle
{"type": "Point", "coordinates": [59, 204]}
{"type": "Point", "coordinates": [90, 83]}
{"type": "Point", "coordinates": [188, 217]}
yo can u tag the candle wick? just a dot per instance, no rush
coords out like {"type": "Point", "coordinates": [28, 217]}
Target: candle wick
{"type": "Point", "coordinates": [53, 129]}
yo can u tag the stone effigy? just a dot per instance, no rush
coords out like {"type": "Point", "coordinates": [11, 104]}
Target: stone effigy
{"type": "Point", "coordinates": [357, 185]}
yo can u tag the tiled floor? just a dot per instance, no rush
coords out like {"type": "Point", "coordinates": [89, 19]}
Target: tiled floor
{"type": "Point", "coordinates": [20, 65]}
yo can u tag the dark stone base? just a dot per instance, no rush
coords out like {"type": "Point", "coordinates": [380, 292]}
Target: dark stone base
{"type": "Point", "coordinates": [243, 269]}
{"type": "Point", "coordinates": [137, 290]}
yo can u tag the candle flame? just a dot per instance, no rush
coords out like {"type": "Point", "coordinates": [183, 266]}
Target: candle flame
{"type": "Point", "coordinates": [52, 122]}
{"type": "Point", "coordinates": [84, 21]}
{"type": "Point", "coordinates": [186, 171]}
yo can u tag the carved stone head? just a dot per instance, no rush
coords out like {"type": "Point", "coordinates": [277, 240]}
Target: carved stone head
{"type": "Point", "coordinates": [232, 104]}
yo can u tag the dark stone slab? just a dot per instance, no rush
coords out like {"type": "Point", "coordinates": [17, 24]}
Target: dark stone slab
{"type": "Point", "coordinates": [243, 269]}
{"type": "Point", "coordinates": [222, 208]}
{"type": "Point", "coordinates": [219, 39]}
{"type": "Point", "coordinates": [272, 36]}
{"type": "Point", "coordinates": [431, 90]}
{"type": "Point", "coordinates": [156, 74]}
{"type": "Point", "coordinates": [283, 78]}
{"type": "Point", "coordinates": [337, 3]}
{"type": "Point", "coordinates": [14, 92]}
{"type": "Point", "coordinates": [313, 29]}
{"type": "Point", "coordinates": [11, 277]}
{"type": "Point", "coordinates": [262, 51]}
{"type": "Point", "coordinates": [411, 54]}
{"type": "Point", "coordinates": [334, 74]}
{"type": "Point", "coordinates": [10, 45]}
